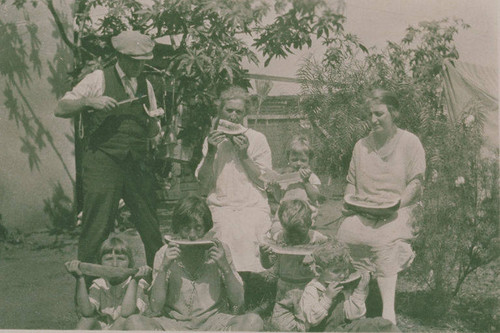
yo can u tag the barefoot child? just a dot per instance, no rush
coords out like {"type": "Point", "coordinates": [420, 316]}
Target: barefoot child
{"type": "Point", "coordinates": [108, 302]}
{"type": "Point", "coordinates": [331, 301]}
{"type": "Point", "coordinates": [292, 272]}
{"type": "Point", "coordinates": [191, 285]}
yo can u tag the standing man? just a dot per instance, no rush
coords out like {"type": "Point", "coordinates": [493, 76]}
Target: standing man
{"type": "Point", "coordinates": [230, 173]}
{"type": "Point", "coordinates": [113, 105]}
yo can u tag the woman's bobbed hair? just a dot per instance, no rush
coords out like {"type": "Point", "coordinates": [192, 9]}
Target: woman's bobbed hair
{"type": "Point", "coordinates": [382, 96]}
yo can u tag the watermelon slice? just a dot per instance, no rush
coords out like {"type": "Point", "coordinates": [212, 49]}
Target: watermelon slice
{"type": "Point", "coordinates": [373, 207]}
{"type": "Point", "coordinates": [298, 250]}
{"type": "Point", "coordinates": [230, 128]}
{"type": "Point", "coordinates": [284, 180]}
{"type": "Point", "coordinates": [352, 277]}
{"type": "Point", "coordinates": [202, 243]}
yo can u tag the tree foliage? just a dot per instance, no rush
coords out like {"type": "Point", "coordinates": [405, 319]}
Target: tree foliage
{"type": "Point", "coordinates": [209, 41]}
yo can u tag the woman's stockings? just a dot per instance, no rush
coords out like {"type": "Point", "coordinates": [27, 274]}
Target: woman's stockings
{"type": "Point", "coordinates": [387, 286]}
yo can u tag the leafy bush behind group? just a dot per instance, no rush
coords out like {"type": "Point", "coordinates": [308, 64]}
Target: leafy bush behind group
{"type": "Point", "coordinates": [457, 228]}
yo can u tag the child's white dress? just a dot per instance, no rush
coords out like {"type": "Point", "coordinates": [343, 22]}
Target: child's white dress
{"type": "Point", "coordinates": [108, 299]}
{"type": "Point", "coordinates": [239, 207]}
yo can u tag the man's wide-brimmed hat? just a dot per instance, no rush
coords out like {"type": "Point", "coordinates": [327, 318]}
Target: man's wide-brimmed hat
{"type": "Point", "coordinates": [134, 44]}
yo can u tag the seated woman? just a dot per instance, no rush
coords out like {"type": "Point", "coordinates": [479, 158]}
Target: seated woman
{"type": "Point", "coordinates": [388, 164]}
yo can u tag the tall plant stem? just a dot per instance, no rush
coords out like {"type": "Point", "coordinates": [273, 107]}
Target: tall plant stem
{"type": "Point", "coordinates": [40, 124]}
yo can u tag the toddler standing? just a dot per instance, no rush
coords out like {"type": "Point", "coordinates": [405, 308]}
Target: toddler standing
{"type": "Point", "coordinates": [299, 154]}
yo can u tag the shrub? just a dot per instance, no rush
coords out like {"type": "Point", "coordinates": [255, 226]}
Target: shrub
{"type": "Point", "coordinates": [459, 222]}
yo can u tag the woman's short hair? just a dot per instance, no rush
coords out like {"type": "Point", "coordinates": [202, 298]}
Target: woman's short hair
{"type": "Point", "coordinates": [234, 92]}
{"type": "Point", "coordinates": [299, 143]}
{"type": "Point", "coordinates": [119, 246]}
{"type": "Point", "coordinates": [191, 209]}
{"type": "Point", "coordinates": [295, 213]}
{"type": "Point", "coordinates": [333, 255]}
{"type": "Point", "coordinates": [382, 96]}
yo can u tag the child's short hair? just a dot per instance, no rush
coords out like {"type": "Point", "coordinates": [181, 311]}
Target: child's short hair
{"type": "Point", "coordinates": [190, 209]}
{"type": "Point", "coordinates": [299, 143]}
{"type": "Point", "coordinates": [119, 246]}
{"type": "Point", "coordinates": [294, 215]}
{"type": "Point", "coordinates": [333, 255]}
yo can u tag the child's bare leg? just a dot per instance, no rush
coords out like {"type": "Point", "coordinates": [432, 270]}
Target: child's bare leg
{"type": "Point", "coordinates": [248, 322]}
{"type": "Point", "coordinates": [88, 324]}
{"type": "Point", "coordinates": [139, 323]}
{"type": "Point", "coordinates": [387, 286]}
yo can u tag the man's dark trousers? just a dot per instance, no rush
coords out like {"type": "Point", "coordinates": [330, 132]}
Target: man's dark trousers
{"type": "Point", "coordinates": [106, 180]}
{"type": "Point", "coordinates": [112, 170]}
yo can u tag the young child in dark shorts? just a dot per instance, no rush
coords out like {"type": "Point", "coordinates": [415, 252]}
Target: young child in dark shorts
{"type": "Point", "coordinates": [291, 270]}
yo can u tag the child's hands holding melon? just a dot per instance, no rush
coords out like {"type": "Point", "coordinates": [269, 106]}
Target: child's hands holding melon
{"type": "Point", "coordinates": [73, 267]}
{"type": "Point", "coordinates": [144, 272]}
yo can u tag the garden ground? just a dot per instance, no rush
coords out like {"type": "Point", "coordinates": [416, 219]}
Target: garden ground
{"type": "Point", "coordinates": [37, 293]}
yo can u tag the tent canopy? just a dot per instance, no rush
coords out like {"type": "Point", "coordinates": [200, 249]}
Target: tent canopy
{"type": "Point", "coordinates": [466, 84]}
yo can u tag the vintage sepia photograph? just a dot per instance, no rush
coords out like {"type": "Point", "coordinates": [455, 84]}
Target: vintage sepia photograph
{"type": "Point", "coordinates": [249, 165]}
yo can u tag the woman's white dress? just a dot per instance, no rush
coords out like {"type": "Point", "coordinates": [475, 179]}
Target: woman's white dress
{"type": "Point", "coordinates": [239, 207]}
{"type": "Point", "coordinates": [383, 174]}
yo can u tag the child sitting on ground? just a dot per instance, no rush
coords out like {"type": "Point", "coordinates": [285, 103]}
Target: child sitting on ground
{"type": "Point", "coordinates": [299, 154]}
{"type": "Point", "coordinates": [192, 285]}
{"type": "Point", "coordinates": [292, 272]}
{"type": "Point", "coordinates": [109, 302]}
{"type": "Point", "coordinates": [335, 299]}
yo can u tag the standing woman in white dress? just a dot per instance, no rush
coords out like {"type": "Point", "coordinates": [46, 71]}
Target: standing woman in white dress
{"type": "Point", "coordinates": [229, 172]}
{"type": "Point", "coordinates": [388, 164]}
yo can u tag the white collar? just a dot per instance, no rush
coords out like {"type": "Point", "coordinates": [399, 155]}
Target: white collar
{"type": "Point", "coordinates": [120, 71]}
{"type": "Point", "coordinates": [122, 74]}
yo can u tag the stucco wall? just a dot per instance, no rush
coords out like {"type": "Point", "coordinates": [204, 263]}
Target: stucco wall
{"type": "Point", "coordinates": [22, 191]}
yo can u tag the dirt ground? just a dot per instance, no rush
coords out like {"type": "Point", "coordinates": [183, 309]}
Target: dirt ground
{"type": "Point", "coordinates": [37, 293]}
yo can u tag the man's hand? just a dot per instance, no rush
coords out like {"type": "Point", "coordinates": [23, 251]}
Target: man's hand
{"type": "Point", "coordinates": [217, 254]}
{"type": "Point", "coordinates": [101, 103]}
{"type": "Point", "coordinates": [241, 144]}
{"type": "Point", "coordinates": [171, 254]}
{"type": "Point", "coordinates": [333, 290]}
{"type": "Point", "coordinates": [305, 173]}
{"type": "Point", "coordinates": [144, 272]}
{"type": "Point", "coordinates": [73, 267]}
{"type": "Point", "coordinates": [214, 138]}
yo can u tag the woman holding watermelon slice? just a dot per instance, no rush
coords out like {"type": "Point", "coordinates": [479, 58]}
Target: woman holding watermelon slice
{"type": "Point", "coordinates": [233, 159]}
{"type": "Point", "coordinates": [386, 166]}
